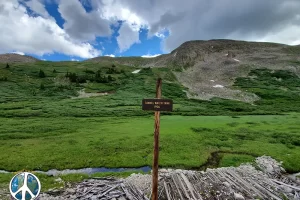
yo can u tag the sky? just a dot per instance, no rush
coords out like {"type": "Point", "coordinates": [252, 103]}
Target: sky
{"type": "Point", "coordinates": [82, 29]}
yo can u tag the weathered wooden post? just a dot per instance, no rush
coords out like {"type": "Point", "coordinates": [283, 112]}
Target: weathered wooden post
{"type": "Point", "coordinates": [156, 145]}
{"type": "Point", "coordinates": [157, 105]}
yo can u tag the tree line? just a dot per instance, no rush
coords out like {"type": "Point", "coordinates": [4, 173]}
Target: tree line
{"type": "Point", "coordinates": [99, 76]}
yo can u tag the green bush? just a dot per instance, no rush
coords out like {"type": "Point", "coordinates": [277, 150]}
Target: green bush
{"type": "Point", "coordinates": [42, 74]}
{"type": "Point", "coordinates": [3, 78]}
{"type": "Point", "coordinates": [42, 86]}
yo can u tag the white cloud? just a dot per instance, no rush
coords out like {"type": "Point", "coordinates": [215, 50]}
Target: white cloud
{"type": "Point", "coordinates": [160, 35]}
{"type": "Point", "coordinates": [36, 35]}
{"type": "Point", "coordinates": [116, 10]}
{"type": "Point", "coordinates": [127, 37]}
{"type": "Point", "coordinates": [215, 19]}
{"type": "Point", "coordinates": [81, 25]}
{"type": "Point", "coordinates": [110, 55]}
{"type": "Point", "coordinates": [150, 56]}
{"type": "Point", "coordinates": [173, 21]}
{"type": "Point", "coordinates": [290, 35]}
{"type": "Point", "coordinates": [18, 52]}
{"type": "Point", "coordinates": [73, 59]}
{"type": "Point", "coordinates": [38, 7]}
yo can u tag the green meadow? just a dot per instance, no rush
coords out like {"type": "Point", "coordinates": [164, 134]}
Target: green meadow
{"type": "Point", "coordinates": [44, 127]}
{"type": "Point", "coordinates": [185, 141]}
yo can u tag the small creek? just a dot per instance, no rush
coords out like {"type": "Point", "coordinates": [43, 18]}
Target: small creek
{"type": "Point", "coordinates": [212, 162]}
{"type": "Point", "coordinates": [89, 171]}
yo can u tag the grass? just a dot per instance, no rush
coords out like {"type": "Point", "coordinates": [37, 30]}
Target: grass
{"type": "Point", "coordinates": [235, 160]}
{"type": "Point", "coordinates": [42, 128]}
{"type": "Point", "coordinates": [25, 94]}
{"type": "Point", "coordinates": [186, 141]}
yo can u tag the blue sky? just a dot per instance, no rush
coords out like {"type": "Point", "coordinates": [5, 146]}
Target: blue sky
{"type": "Point", "coordinates": [82, 29]}
{"type": "Point", "coordinates": [108, 45]}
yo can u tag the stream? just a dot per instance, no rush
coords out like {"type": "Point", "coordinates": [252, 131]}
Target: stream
{"type": "Point", "coordinates": [89, 171]}
{"type": "Point", "coordinates": [212, 162]}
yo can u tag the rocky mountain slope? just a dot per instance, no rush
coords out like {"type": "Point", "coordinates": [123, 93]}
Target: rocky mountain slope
{"type": "Point", "coordinates": [209, 68]}
{"type": "Point", "coordinates": [13, 58]}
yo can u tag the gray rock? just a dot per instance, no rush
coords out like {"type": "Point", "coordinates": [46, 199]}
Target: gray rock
{"type": "Point", "coordinates": [58, 180]}
{"type": "Point", "coordinates": [227, 184]}
{"type": "Point", "coordinates": [163, 171]}
{"type": "Point", "coordinates": [70, 190]}
{"type": "Point", "coordinates": [238, 196]}
{"type": "Point", "coordinates": [286, 189]}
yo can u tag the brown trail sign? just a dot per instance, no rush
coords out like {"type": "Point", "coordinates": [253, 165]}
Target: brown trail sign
{"type": "Point", "coordinates": [156, 105]}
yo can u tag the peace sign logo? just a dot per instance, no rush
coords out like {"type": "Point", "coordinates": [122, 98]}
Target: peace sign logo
{"type": "Point", "coordinates": [25, 186]}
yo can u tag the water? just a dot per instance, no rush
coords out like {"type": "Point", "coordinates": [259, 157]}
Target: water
{"type": "Point", "coordinates": [89, 171]}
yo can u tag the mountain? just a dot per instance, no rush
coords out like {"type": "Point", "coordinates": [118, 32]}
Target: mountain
{"type": "Point", "coordinates": [14, 58]}
{"type": "Point", "coordinates": [209, 68]}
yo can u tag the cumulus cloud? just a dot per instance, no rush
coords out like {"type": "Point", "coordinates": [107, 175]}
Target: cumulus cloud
{"type": "Point", "coordinates": [119, 10]}
{"type": "Point", "coordinates": [38, 7]}
{"type": "Point", "coordinates": [201, 19]}
{"type": "Point", "coordinates": [150, 56]}
{"type": "Point", "coordinates": [127, 37]}
{"type": "Point", "coordinates": [110, 55]}
{"type": "Point", "coordinates": [81, 25]}
{"type": "Point", "coordinates": [252, 20]}
{"type": "Point", "coordinates": [36, 35]}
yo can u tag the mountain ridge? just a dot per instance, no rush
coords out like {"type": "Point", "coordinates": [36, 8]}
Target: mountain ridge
{"type": "Point", "coordinates": [14, 58]}
{"type": "Point", "coordinates": [209, 68]}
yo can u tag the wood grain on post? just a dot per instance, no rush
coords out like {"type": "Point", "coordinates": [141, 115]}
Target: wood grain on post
{"type": "Point", "coordinates": [156, 145]}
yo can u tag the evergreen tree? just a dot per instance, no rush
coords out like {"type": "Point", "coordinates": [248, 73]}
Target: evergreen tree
{"type": "Point", "coordinates": [42, 86]}
{"type": "Point", "coordinates": [110, 78]}
{"type": "Point", "coordinates": [42, 74]}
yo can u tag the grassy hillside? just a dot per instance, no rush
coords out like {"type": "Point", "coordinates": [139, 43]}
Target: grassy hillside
{"type": "Point", "coordinates": [25, 92]}
{"type": "Point", "coordinates": [47, 123]}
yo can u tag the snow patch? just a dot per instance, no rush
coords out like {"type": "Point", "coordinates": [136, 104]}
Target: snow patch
{"type": "Point", "coordinates": [236, 60]}
{"type": "Point", "coordinates": [150, 56]}
{"type": "Point", "coordinates": [218, 86]}
{"type": "Point", "coordinates": [83, 94]}
{"type": "Point", "coordinates": [136, 71]}
{"type": "Point", "coordinates": [212, 81]}
{"type": "Point", "coordinates": [18, 52]}
{"type": "Point", "coordinates": [175, 54]}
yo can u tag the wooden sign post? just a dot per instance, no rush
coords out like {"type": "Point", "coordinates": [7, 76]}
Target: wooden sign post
{"type": "Point", "coordinates": [156, 105]}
